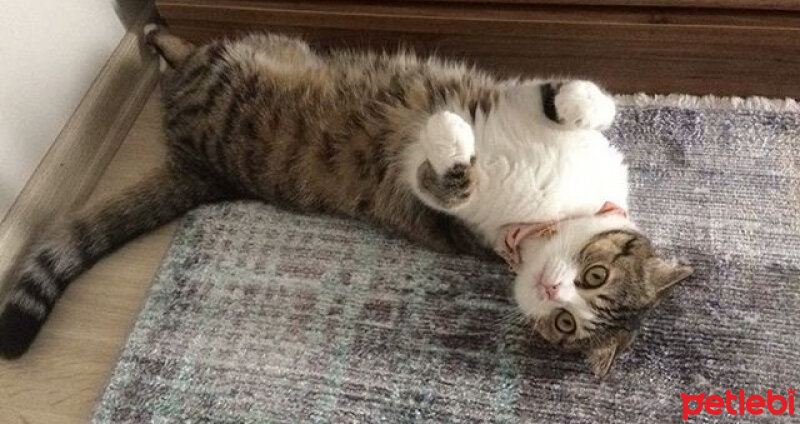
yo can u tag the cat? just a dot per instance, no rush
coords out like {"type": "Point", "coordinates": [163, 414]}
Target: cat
{"type": "Point", "coordinates": [441, 153]}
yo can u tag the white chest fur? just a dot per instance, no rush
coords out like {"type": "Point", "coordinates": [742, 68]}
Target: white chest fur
{"type": "Point", "coordinates": [532, 170]}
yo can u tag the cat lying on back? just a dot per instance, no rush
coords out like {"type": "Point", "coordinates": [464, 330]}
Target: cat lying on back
{"type": "Point", "coordinates": [445, 155]}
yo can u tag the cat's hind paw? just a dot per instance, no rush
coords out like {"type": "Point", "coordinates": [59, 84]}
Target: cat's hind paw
{"type": "Point", "coordinates": [150, 28]}
{"type": "Point", "coordinates": [446, 176]}
{"type": "Point", "coordinates": [448, 141]}
{"type": "Point", "coordinates": [449, 189]}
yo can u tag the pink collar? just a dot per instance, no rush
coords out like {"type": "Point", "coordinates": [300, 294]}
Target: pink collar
{"type": "Point", "coordinates": [514, 234]}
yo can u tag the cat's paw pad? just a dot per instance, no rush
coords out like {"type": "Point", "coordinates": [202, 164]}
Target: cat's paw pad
{"type": "Point", "coordinates": [448, 141]}
{"type": "Point", "coordinates": [451, 188]}
{"type": "Point", "coordinates": [582, 104]}
{"type": "Point", "coordinates": [458, 179]}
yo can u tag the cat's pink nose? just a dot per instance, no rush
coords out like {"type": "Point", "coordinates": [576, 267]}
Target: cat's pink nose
{"type": "Point", "coordinates": [550, 288]}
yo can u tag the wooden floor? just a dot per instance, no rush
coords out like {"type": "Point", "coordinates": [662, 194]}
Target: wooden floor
{"type": "Point", "coordinates": [61, 378]}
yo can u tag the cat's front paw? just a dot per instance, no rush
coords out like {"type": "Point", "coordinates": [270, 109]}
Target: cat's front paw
{"type": "Point", "coordinates": [583, 105]}
{"type": "Point", "coordinates": [450, 188]}
{"type": "Point", "coordinates": [448, 142]}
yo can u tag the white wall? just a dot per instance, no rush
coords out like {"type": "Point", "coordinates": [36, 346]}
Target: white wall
{"type": "Point", "coordinates": [50, 52]}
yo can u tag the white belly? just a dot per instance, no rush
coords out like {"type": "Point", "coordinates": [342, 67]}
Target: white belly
{"type": "Point", "coordinates": [556, 175]}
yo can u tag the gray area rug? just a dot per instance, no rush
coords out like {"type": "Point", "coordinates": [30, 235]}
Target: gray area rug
{"type": "Point", "coordinates": [264, 316]}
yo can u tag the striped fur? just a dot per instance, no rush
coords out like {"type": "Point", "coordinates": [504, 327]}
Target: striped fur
{"type": "Point", "coordinates": [72, 247]}
{"type": "Point", "coordinates": [264, 117]}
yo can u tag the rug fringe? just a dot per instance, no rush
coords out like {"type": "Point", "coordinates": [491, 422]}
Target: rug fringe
{"type": "Point", "coordinates": [709, 102]}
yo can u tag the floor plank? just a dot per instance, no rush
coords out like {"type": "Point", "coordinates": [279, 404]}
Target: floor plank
{"type": "Point", "coordinates": [61, 378]}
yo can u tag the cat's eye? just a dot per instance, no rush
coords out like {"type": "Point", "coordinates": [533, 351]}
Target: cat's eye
{"type": "Point", "coordinates": [565, 322]}
{"type": "Point", "coordinates": [595, 276]}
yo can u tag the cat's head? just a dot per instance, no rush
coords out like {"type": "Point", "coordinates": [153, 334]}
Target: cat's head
{"type": "Point", "coordinates": [586, 286]}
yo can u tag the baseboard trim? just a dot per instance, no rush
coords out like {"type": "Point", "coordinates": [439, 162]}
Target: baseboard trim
{"type": "Point", "coordinates": [624, 45]}
{"type": "Point", "coordinates": [72, 166]}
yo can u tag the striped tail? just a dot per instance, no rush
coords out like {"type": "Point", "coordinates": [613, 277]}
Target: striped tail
{"type": "Point", "coordinates": [62, 254]}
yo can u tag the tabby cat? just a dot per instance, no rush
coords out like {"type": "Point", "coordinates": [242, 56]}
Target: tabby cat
{"type": "Point", "coordinates": [443, 154]}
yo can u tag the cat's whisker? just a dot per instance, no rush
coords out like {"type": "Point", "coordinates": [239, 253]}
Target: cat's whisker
{"type": "Point", "coordinates": [514, 316]}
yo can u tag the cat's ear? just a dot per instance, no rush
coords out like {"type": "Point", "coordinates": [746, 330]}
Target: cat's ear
{"type": "Point", "coordinates": [663, 274]}
{"type": "Point", "coordinates": [600, 358]}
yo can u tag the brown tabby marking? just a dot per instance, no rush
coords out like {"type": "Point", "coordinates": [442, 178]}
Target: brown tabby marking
{"type": "Point", "coordinates": [636, 279]}
{"type": "Point", "coordinates": [270, 119]}
{"type": "Point", "coordinates": [264, 117]}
